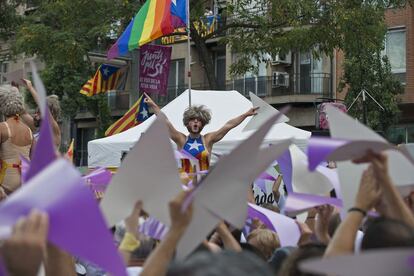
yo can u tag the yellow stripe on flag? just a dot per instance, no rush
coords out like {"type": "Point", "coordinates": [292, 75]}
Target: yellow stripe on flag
{"type": "Point", "coordinates": [148, 24]}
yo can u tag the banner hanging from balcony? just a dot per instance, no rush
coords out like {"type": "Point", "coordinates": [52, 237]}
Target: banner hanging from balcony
{"type": "Point", "coordinates": [154, 67]}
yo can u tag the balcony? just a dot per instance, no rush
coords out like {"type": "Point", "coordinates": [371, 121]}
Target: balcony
{"type": "Point", "coordinates": [299, 89]}
{"type": "Point", "coordinates": [285, 88]}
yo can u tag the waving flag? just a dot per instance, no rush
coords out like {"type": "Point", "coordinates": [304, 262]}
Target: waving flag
{"type": "Point", "coordinates": [69, 153]}
{"type": "Point", "coordinates": [155, 19]}
{"type": "Point", "coordinates": [137, 114]}
{"type": "Point", "coordinates": [106, 78]}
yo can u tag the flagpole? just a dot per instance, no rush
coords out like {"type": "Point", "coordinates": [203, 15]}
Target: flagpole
{"type": "Point", "coordinates": [188, 51]}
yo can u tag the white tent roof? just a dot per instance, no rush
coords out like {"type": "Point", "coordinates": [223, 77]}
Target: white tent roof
{"type": "Point", "coordinates": [224, 105]}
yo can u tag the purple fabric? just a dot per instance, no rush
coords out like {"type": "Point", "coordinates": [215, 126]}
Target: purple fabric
{"type": "Point", "coordinates": [261, 184]}
{"type": "Point", "coordinates": [253, 213]}
{"type": "Point", "coordinates": [320, 148]}
{"type": "Point", "coordinates": [177, 22]}
{"type": "Point", "coordinates": [25, 165]}
{"type": "Point", "coordinates": [75, 221]}
{"type": "Point", "coordinates": [153, 228]}
{"type": "Point", "coordinates": [267, 176]}
{"type": "Point", "coordinates": [411, 261]}
{"type": "Point", "coordinates": [285, 165]}
{"type": "Point", "coordinates": [285, 227]}
{"type": "Point", "coordinates": [297, 202]}
{"type": "Point", "coordinates": [44, 152]}
{"type": "Point", "coordinates": [3, 271]}
{"type": "Point", "coordinates": [154, 67]}
{"type": "Point", "coordinates": [182, 154]}
{"type": "Point", "coordinates": [98, 179]}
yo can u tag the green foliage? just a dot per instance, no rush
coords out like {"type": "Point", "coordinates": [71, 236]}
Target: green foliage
{"type": "Point", "coordinates": [9, 19]}
{"type": "Point", "coordinates": [61, 33]}
{"type": "Point", "coordinates": [256, 27]}
{"type": "Point", "coordinates": [372, 73]}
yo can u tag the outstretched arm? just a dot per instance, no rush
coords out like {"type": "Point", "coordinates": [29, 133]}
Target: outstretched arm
{"type": "Point", "coordinates": [367, 197]}
{"type": "Point", "coordinates": [157, 263]}
{"type": "Point", "coordinates": [28, 120]}
{"type": "Point", "coordinates": [176, 136]}
{"type": "Point", "coordinates": [395, 205]}
{"type": "Point", "coordinates": [214, 137]}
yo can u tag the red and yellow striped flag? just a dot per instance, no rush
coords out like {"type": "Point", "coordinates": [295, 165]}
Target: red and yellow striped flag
{"type": "Point", "coordinates": [137, 114]}
{"type": "Point", "coordinates": [69, 153]}
{"type": "Point", "coordinates": [106, 78]}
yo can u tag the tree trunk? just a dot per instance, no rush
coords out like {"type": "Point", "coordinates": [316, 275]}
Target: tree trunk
{"type": "Point", "coordinates": [205, 57]}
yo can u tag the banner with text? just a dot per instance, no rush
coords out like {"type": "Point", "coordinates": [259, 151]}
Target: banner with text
{"type": "Point", "coordinates": [154, 67]}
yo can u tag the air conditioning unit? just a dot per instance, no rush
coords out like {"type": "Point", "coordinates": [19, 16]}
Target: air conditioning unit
{"type": "Point", "coordinates": [282, 58]}
{"type": "Point", "coordinates": [280, 79]}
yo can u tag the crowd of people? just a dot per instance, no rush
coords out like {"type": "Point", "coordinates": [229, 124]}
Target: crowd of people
{"type": "Point", "coordinates": [379, 218]}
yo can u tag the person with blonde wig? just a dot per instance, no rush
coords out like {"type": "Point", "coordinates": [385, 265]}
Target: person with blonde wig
{"type": "Point", "coordinates": [15, 139]}
{"type": "Point", "coordinates": [195, 118]}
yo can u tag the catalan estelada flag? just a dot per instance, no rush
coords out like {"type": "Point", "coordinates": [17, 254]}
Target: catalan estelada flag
{"type": "Point", "coordinates": [155, 19]}
{"type": "Point", "coordinates": [106, 78]}
{"type": "Point", "coordinates": [69, 153]}
{"type": "Point", "coordinates": [137, 114]}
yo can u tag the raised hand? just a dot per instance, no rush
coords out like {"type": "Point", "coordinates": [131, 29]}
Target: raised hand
{"type": "Point", "coordinates": [131, 222]}
{"type": "Point", "coordinates": [180, 219]}
{"type": "Point", "coordinates": [369, 192]}
{"type": "Point", "coordinates": [28, 84]}
{"type": "Point", "coordinates": [251, 111]}
{"type": "Point", "coordinates": [324, 214]}
{"type": "Point", "coordinates": [24, 251]}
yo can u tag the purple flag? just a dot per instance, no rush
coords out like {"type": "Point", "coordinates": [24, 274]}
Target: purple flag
{"type": "Point", "coordinates": [154, 67]}
{"type": "Point", "coordinates": [44, 152]}
{"type": "Point", "coordinates": [297, 203]}
{"type": "Point", "coordinates": [25, 165]}
{"type": "Point", "coordinates": [153, 228]}
{"type": "Point", "coordinates": [266, 176]}
{"type": "Point", "coordinates": [98, 179]}
{"type": "Point", "coordinates": [285, 165]}
{"type": "Point", "coordinates": [75, 220]}
{"type": "Point", "coordinates": [261, 184]}
{"type": "Point", "coordinates": [285, 227]}
{"type": "Point", "coordinates": [320, 149]}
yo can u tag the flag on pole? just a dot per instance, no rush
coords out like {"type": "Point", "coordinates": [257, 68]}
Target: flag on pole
{"type": "Point", "coordinates": [155, 19]}
{"type": "Point", "coordinates": [137, 114]}
{"type": "Point", "coordinates": [69, 153]}
{"type": "Point", "coordinates": [106, 78]}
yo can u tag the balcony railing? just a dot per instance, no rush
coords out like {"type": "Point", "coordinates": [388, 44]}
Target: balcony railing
{"type": "Point", "coordinates": [314, 84]}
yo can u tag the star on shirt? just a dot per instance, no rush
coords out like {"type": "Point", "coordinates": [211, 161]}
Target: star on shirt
{"type": "Point", "coordinates": [195, 145]}
{"type": "Point", "coordinates": [144, 113]}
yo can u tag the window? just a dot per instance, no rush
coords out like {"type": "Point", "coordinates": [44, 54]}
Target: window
{"type": "Point", "coordinates": [4, 68]}
{"type": "Point", "coordinates": [395, 49]}
{"type": "Point", "coordinates": [176, 78]}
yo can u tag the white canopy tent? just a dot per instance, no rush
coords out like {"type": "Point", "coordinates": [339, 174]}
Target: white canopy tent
{"type": "Point", "coordinates": [224, 105]}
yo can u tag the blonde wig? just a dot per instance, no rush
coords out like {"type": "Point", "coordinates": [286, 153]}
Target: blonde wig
{"type": "Point", "coordinates": [197, 112]}
{"type": "Point", "coordinates": [11, 101]}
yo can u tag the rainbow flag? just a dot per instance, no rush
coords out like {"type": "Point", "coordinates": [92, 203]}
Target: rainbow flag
{"type": "Point", "coordinates": [137, 114]}
{"type": "Point", "coordinates": [155, 19]}
{"type": "Point", "coordinates": [106, 78]}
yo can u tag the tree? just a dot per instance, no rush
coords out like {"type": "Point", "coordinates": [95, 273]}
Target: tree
{"type": "Point", "coordinates": [61, 33]}
{"type": "Point", "coordinates": [9, 18]}
{"type": "Point", "coordinates": [253, 28]}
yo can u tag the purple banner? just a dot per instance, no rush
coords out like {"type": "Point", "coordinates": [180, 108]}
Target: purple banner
{"type": "Point", "coordinates": [154, 67]}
